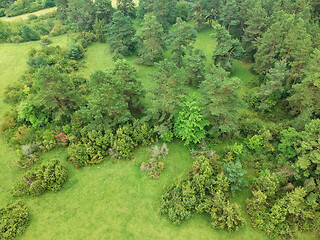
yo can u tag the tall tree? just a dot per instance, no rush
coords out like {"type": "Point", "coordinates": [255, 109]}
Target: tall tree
{"type": "Point", "coordinates": [103, 10]}
{"type": "Point", "coordinates": [272, 90]}
{"type": "Point", "coordinates": [255, 26]}
{"type": "Point", "coordinates": [81, 14]}
{"type": "Point", "coordinates": [306, 94]}
{"type": "Point", "coordinates": [164, 10]}
{"type": "Point", "coordinates": [230, 14]}
{"type": "Point", "coordinates": [226, 49]}
{"type": "Point", "coordinates": [196, 67]}
{"type": "Point", "coordinates": [121, 34]}
{"type": "Point", "coordinates": [152, 38]}
{"type": "Point", "coordinates": [127, 7]}
{"type": "Point", "coordinates": [180, 38]}
{"type": "Point", "coordinates": [220, 101]}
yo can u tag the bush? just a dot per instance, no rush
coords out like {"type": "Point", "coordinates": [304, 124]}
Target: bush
{"type": "Point", "coordinates": [14, 219]}
{"type": "Point", "coordinates": [28, 34]}
{"type": "Point", "coordinates": [235, 173]}
{"type": "Point", "coordinates": [32, 17]}
{"type": "Point", "coordinates": [58, 29]}
{"type": "Point", "coordinates": [50, 176]}
{"type": "Point", "coordinates": [76, 52]}
{"type": "Point", "coordinates": [2, 12]}
{"type": "Point", "coordinates": [45, 40]}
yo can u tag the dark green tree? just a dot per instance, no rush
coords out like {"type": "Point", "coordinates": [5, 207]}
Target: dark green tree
{"type": "Point", "coordinates": [127, 7]}
{"type": "Point", "coordinates": [103, 11]}
{"type": "Point", "coordinates": [196, 67]}
{"type": "Point", "coordinates": [153, 45]}
{"type": "Point", "coordinates": [181, 36]}
{"type": "Point", "coordinates": [230, 14]}
{"type": "Point", "coordinates": [80, 14]}
{"type": "Point", "coordinates": [121, 34]}
{"type": "Point", "coordinates": [227, 48]}
{"type": "Point", "coordinates": [220, 101]}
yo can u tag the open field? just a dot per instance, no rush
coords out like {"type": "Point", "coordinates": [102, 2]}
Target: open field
{"type": "Point", "coordinates": [25, 16]}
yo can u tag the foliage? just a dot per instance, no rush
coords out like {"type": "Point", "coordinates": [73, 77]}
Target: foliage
{"type": "Point", "coordinates": [220, 101]}
{"type": "Point", "coordinates": [189, 122]}
{"type": "Point", "coordinates": [234, 172]}
{"type": "Point", "coordinates": [196, 67]}
{"type": "Point", "coordinates": [75, 52]}
{"type": "Point", "coordinates": [153, 45]}
{"type": "Point", "coordinates": [203, 190]}
{"type": "Point", "coordinates": [50, 176]}
{"type": "Point", "coordinates": [14, 219]}
{"type": "Point", "coordinates": [127, 7]}
{"type": "Point", "coordinates": [121, 34]}
{"type": "Point", "coordinates": [181, 36]}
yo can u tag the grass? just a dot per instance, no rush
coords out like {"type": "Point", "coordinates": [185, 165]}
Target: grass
{"type": "Point", "coordinates": [113, 200]}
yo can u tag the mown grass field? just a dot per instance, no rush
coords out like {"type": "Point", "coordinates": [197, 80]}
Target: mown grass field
{"type": "Point", "coordinates": [113, 200]}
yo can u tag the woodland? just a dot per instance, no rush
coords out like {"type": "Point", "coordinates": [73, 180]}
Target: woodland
{"type": "Point", "coordinates": [165, 119]}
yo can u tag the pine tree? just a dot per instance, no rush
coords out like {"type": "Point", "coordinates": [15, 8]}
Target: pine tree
{"type": "Point", "coordinates": [181, 37]}
{"type": "Point", "coordinates": [127, 7]}
{"type": "Point", "coordinates": [255, 26]}
{"type": "Point", "coordinates": [81, 14]}
{"type": "Point", "coordinates": [226, 49]}
{"type": "Point", "coordinates": [230, 14]}
{"type": "Point", "coordinates": [220, 101]}
{"type": "Point", "coordinates": [121, 34]}
{"type": "Point", "coordinates": [196, 67]}
{"type": "Point", "coordinates": [152, 38]}
{"type": "Point", "coordinates": [103, 10]}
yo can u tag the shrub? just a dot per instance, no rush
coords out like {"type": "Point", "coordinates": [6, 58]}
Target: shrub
{"type": "Point", "coordinates": [28, 34]}
{"type": "Point", "coordinates": [58, 29]}
{"type": "Point", "coordinates": [50, 176]}
{"type": "Point", "coordinates": [142, 133]}
{"type": "Point", "coordinates": [14, 219]}
{"type": "Point", "coordinates": [235, 173]}
{"type": "Point", "coordinates": [76, 52]}
{"type": "Point", "coordinates": [45, 40]}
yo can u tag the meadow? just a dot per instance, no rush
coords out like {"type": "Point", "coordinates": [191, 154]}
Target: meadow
{"type": "Point", "coordinates": [113, 200]}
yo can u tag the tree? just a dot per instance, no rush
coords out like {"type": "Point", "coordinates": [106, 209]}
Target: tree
{"type": "Point", "coordinates": [121, 34]}
{"type": "Point", "coordinates": [103, 11]}
{"type": "Point", "coordinates": [309, 152]}
{"type": "Point", "coordinates": [81, 14]}
{"type": "Point", "coordinates": [255, 26]}
{"type": "Point", "coordinates": [226, 49]}
{"type": "Point", "coordinates": [55, 94]}
{"type": "Point", "coordinates": [220, 101]}
{"type": "Point", "coordinates": [289, 143]}
{"type": "Point", "coordinates": [189, 122]}
{"type": "Point", "coordinates": [305, 97]}
{"type": "Point", "coordinates": [272, 91]}
{"type": "Point", "coordinates": [234, 172]}
{"type": "Point", "coordinates": [180, 38]}
{"type": "Point", "coordinates": [196, 67]}
{"type": "Point", "coordinates": [230, 14]}
{"type": "Point", "coordinates": [127, 7]}
{"type": "Point", "coordinates": [164, 10]}
{"type": "Point", "coordinates": [152, 38]}
{"type": "Point", "coordinates": [5, 31]}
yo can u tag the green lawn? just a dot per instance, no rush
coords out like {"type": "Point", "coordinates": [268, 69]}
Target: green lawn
{"type": "Point", "coordinates": [113, 200]}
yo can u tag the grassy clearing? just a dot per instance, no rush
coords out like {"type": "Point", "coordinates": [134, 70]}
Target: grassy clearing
{"type": "Point", "coordinates": [24, 17]}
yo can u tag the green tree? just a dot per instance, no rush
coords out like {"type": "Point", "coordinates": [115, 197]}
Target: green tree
{"type": "Point", "coordinates": [103, 11]}
{"type": "Point", "coordinates": [121, 34]}
{"type": "Point", "coordinates": [180, 38]}
{"type": "Point", "coordinates": [234, 172]}
{"type": "Point", "coordinates": [305, 97]}
{"type": "Point", "coordinates": [164, 10]}
{"type": "Point", "coordinates": [80, 14]}
{"type": "Point", "coordinates": [226, 49]}
{"type": "Point", "coordinates": [272, 91]}
{"type": "Point", "coordinates": [127, 7]}
{"type": "Point", "coordinates": [230, 14]}
{"type": "Point", "coordinates": [289, 143]}
{"type": "Point", "coordinates": [255, 26]}
{"type": "Point", "coordinates": [153, 44]}
{"type": "Point", "coordinates": [5, 31]}
{"type": "Point", "coordinates": [196, 67]}
{"type": "Point", "coordinates": [189, 122]}
{"type": "Point", "coordinates": [220, 101]}
{"type": "Point", "coordinates": [309, 158]}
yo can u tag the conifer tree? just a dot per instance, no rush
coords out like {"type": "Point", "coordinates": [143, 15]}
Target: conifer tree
{"type": "Point", "coordinates": [195, 67]}
{"type": "Point", "coordinates": [181, 37]}
{"type": "Point", "coordinates": [127, 7]}
{"type": "Point", "coordinates": [121, 34]}
{"type": "Point", "coordinates": [152, 38]}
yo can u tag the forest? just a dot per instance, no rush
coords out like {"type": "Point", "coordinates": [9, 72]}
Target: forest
{"type": "Point", "coordinates": [167, 119]}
